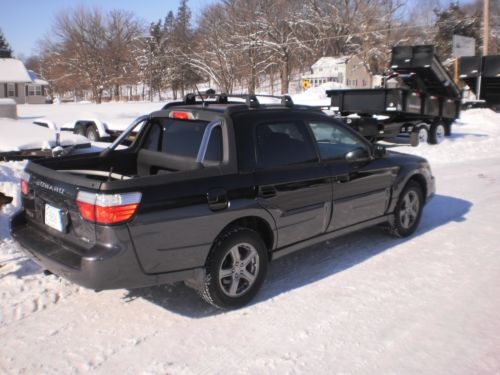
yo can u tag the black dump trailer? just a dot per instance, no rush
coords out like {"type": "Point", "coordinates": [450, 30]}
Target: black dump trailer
{"type": "Point", "coordinates": [425, 102]}
{"type": "Point", "coordinates": [482, 75]}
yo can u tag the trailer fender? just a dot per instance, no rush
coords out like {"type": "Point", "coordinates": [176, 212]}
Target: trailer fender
{"type": "Point", "coordinates": [101, 126]}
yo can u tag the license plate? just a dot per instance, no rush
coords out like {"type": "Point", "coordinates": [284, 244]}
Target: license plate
{"type": "Point", "coordinates": [53, 217]}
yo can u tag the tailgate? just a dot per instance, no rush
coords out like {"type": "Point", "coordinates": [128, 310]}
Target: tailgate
{"type": "Point", "coordinates": [51, 204]}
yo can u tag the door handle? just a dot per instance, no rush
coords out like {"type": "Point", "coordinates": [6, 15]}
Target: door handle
{"type": "Point", "coordinates": [342, 178]}
{"type": "Point", "coordinates": [217, 199]}
{"type": "Point", "coordinates": [267, 191]}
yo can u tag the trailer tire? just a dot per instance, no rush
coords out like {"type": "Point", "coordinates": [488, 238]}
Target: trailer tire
{"type": "Point", "coordinates": [93, 133]}
{"type": "Point", "coordinates": [80, 130]}
{"type": "Point", "coordinates": [437, 133]}
{"type": "Point", "coordinates": [422, 133]}
{"type": "Point", "coordinates": [447, 130]}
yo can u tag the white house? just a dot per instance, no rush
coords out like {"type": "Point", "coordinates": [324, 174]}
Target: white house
{"type": "Point", "coordinates": [347, 70]}
{"type": "Point", "coordinates": [18, 83]}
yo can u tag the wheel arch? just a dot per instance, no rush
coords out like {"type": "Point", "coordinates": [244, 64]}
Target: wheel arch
{"type": "Point", "coordinates": [417, 177]}
{"type": "Point", "coordinates": [420, 180]}
{"type": "Point", "coordinates": [259, 225]}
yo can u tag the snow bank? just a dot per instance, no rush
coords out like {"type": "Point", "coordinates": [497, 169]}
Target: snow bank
{"type": "Point", "coordinates": [316, 96]}
{"type": "Point", "coordinates": [475, 135]}
{"type": "Point", "coordinates": [18, 135]}
{"type": "Point", "coordinates": [117, 115]}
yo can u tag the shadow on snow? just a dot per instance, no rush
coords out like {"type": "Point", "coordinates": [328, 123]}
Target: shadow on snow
{"type": "Point", "coordinates": [312, 263]}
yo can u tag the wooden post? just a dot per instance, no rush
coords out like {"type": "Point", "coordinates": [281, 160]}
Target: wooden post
{"type": "Point", "coordinates": [455, 70]}
{"type": "Point", "coordinates": [486, 26]}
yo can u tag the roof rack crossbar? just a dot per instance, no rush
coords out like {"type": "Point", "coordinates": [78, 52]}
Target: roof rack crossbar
{"type": "Point", "coordinates": [251, 100]}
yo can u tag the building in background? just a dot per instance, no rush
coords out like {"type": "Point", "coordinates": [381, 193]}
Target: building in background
{"type": "Point", "coordinates": [17, 83]}
{"type": "Point", "coordinates": [347, 70]}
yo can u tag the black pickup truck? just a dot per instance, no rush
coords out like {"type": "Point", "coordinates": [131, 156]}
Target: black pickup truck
{"type": "Point", "coordinates": [209, 193]}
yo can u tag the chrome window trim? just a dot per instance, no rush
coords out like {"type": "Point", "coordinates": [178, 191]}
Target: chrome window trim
{"type": "Point", "coordinates": [206, 139]}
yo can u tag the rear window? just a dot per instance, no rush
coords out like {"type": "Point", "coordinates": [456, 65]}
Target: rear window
{"type": "Point", "coordinates": [183, 138]}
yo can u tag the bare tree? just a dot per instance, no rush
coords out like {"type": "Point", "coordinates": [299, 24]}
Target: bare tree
{"type": "Point", "coordinates": [281, 23]}
{"type": "Point", "coordinates": [92, 48]}
{"type": "Point", "coordinates": [213, 55]}
{"type": "Point", "coordinates": [121, 31]}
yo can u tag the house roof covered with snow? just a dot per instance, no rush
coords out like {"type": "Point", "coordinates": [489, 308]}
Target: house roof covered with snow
{"type": "Point", "coordinates": [328, 61]}
{"type": "Point", "coordinates": [36, 80]}
{"type": "Point", "coordinates": [13, 70]}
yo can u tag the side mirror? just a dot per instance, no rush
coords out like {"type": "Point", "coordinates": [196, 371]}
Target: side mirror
{"type": "Point", "coordinates": [379, 151]}
{"type": "Point", "coordinates": [359, 155]}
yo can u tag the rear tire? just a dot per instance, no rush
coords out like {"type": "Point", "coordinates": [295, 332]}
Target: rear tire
{"type": "Point", "coordinates": [236, 268]}
{"type": "Point", "coordinates": [92, 133]}
{"type": "Point", "coordinates": [408, 210]}
{"type": "Point", "coordinates": [419, 135]}
{"type": "Point", "coordinates": [437, 133]}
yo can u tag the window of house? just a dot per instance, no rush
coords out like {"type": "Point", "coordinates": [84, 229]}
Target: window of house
{"type": "Point", "coordinates": [34, 90]}
{"type": "Point", "coordinates": [11, 90]}
{"type": "Point", "coordinates": [348, 82]}
{"type": "Point", "coordinates": [284, 143]}
{"type": "Point", "coordinates": [365, 83]}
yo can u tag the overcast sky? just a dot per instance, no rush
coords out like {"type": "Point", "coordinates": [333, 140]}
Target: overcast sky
{"type": "Point", "coordinates": [25, 22]}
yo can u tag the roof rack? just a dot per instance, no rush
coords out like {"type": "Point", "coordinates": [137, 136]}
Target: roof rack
{"type": "Point", "coordinates": [251, 100]}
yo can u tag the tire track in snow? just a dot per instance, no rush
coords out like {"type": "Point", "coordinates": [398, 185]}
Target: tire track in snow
{"type": "Point", "coordinates": [25, 290]}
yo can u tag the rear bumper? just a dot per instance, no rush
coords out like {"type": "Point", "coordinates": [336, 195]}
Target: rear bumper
{"type": "Point", "coordinates": [110, 266]}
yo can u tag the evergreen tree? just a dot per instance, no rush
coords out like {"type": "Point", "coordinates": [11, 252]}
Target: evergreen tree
{"type": "Point", "coordinates": [183, 35]}
{"type": "Point", "coordinates": [4, 46]}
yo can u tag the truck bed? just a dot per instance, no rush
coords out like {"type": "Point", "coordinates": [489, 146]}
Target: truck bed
{"type": "Point", "coordinates": [470, 68]}
{"type": "Point", "coordinates": [422, 61]}
{"type": "Point", "coordinates": [402, 103]}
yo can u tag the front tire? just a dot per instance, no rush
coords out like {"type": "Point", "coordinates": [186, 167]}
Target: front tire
{"type": "Point", "coordinates": [408, 210]}
{"type": "Point", "coordinates": [235, 270]}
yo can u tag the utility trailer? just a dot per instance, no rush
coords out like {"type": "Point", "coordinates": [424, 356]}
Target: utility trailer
{"type": "Point", "coordinates": [482, 75]}
{"type": "Point", "coordinates": [425, 103]}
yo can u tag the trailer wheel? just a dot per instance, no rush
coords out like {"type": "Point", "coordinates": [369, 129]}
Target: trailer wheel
{"type": "Point", "coordinates": [422, 134]}
{"type": "Point", "coordinates": [92, 133]}
{"type": "Point", "coordinates": [80, 130]}
{"type": "Point", "coordinates": [447, 130]}
{"type": "Point", "coordinates": [437, 133]}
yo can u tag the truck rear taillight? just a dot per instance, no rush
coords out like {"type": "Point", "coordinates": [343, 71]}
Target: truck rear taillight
{"type": "Point", "coordinates": [107, 208]}
{"type": "Point", "coordinates": [25, 178]}
{"type": "Point", "coordinates": [181, 115]}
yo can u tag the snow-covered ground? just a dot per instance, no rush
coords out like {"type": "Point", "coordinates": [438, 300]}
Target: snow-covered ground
{"type": "Point", "coordinates": [316, 96]}
{"type": "Point", "coordinates": [17, 135]}
{"type": "Point", "coordinates": [364, 303]}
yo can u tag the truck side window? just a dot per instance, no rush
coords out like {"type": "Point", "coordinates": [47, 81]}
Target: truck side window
{"type": "Point", "coordinates": [281, 144]}
{"type": "Point", "coordinates": [334, 142]}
